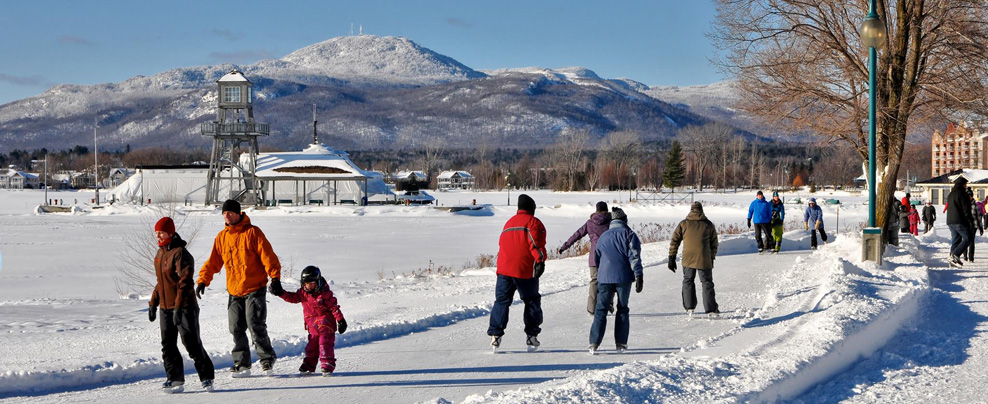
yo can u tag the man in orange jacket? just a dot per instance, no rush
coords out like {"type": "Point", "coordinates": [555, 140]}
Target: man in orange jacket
{"type": "Point", "coordinates": [249, 261]}
{"type": "Point", "coordinates": [520, 262]}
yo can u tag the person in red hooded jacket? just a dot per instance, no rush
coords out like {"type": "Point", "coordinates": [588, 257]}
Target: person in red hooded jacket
{"type": "Point", "coordinates": [520, 262]}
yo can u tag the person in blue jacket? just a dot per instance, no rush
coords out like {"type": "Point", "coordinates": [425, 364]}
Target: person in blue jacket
{"type": "Point", "coordinates": [619, 263]}
{"type": "Point", "coordinates": [760, 212]}
{"type": "Point", "coordinates": [814, 217]}
{"type": "Point", "coordinates": [778, 218]}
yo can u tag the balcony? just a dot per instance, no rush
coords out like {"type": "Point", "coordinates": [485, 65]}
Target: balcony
{"type": "Point", "coordinates": [233, 129]}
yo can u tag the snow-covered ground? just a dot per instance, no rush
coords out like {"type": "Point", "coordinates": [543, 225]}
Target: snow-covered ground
{"type": "Point", "coordinates": [799, 326]}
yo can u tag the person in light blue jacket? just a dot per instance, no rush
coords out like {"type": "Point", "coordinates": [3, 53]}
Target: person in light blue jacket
{"type": "Point", "coordinates": [814, 217]}
{"type": "Point", "coordinates": [760, 212]}
{"type": "Point", "coordinates": [618, 254]}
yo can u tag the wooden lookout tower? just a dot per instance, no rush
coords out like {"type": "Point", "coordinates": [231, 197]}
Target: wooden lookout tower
{"type": "Point", "coordinates": [234, 132]}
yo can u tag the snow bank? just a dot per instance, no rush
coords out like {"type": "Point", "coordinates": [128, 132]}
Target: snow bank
{"type": "Point", "coordinates": [823, 314]}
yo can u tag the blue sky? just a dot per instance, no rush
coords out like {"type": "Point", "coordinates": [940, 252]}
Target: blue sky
{"type": "Point", "coordinates": [42, 42]}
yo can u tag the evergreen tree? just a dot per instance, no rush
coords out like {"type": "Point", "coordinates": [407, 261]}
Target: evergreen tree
{"type": "Point", "coordinates": [675, 172]}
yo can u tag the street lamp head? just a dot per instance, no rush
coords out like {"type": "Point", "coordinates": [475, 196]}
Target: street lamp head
{"type": "Point", "coordinates": [873, 32]}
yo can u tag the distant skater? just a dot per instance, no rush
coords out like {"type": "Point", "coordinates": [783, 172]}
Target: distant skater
{"type": "Point", "coordinates": [760, 212]}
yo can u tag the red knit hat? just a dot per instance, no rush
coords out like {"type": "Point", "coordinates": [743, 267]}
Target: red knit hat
{"type": "Point", "coordinates": [166, 225]}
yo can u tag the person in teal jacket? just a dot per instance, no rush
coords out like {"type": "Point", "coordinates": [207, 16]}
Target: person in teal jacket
{"type": "Point", "coordinates": [778, 218]}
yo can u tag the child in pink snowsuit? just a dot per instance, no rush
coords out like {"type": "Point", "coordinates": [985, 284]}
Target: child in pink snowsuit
{"type": "Point", "coordinates": [913, 221]}
{"type": "Point", "coordinates": [322, 319]}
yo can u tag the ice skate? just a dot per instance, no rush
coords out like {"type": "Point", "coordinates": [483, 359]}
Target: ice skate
{"type": "Point", "coordinates": [207, 385]}
{"type": "Point", "coordinates": [171, 387]}
{"type": "Point", "coordinates": [495, 343]}
{"type": "Point", "coordinates": [593, 349]}
{"type": "Point", "coordinates": [532, 343]}
{"type": "Point", "coordinates": [621, 348]}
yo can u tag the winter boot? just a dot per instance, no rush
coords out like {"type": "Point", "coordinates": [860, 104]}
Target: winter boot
{"type": "Point", "coordinates": [207, 385]}
{"type": "Point", "coordinates": [170, 387]}
{"type": "Point", "coordinates": [532, 342]}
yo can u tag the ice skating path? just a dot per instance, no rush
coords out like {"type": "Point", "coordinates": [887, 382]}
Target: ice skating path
{"type": "Point", "coordinates": [455, 361]}
{"type": "Point", "coordinates": [943, 356]}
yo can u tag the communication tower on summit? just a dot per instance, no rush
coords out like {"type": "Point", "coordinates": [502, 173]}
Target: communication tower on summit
{"type": "Point", "coordinates": [233, 135]}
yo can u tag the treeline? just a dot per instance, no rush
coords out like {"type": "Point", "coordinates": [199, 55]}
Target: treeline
{"type": "Point", "coordinates": [712, 155]}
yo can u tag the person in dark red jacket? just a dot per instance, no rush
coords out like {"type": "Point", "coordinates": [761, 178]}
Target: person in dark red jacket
{"type": "Point", "coordinates": [520, 262]}
{"type": "Point", "coordinates": [322, 319]}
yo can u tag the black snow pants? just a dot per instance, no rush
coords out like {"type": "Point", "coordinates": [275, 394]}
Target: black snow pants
{"type": "Point", "coordinates": [767, 229]}
{"type": "Point", "coordinates": [188, 330]}
{"type": "Point", "coordinates": [250, 312]}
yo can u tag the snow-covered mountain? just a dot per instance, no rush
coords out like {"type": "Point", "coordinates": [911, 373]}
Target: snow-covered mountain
{"type": "Point", "coordinates": [371, 92]}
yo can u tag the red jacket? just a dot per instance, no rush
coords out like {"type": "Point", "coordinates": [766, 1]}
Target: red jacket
{"type": "Point", "coordinates": [522, 244]}
{"type": "Point", "coordinates": [320, 309]}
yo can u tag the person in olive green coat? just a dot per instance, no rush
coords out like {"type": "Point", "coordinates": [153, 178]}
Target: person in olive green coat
{"type": "Point", "coordinates": [699, 239]}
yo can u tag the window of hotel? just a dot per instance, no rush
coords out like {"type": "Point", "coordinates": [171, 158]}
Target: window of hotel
{"type": "Point", "coordinates": [231, 94]}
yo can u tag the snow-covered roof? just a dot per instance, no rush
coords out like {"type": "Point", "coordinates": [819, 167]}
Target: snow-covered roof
{"type": "Point", "coordinates": [315, 162]}
{"type": "Point", "coordinates": [16, 173]}
{"type": "Point", "coordinates": [449, 174]}
{"type": "Point", "coordinates": [233, 76]}
{"type": "Point", "coordinates": [405, 174]}
{"type": "Point", "coordinates": [971, 175]}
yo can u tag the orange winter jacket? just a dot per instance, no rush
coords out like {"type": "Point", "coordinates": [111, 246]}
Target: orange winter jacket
{"type": "Point", "coordinates": [247, 255]}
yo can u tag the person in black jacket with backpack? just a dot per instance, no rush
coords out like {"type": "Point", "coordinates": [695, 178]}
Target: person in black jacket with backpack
{"type": "Point", "coordinates": [959, 220]}
{"type": "Point", "coordinates": [929, 216]}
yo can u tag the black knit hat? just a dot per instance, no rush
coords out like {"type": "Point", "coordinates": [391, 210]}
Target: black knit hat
{"type": "Point", "coordinates": [231, 206]}
{"type": "Point", "coordinates": [526, 203]}
{"type": "Point", "coordinates": [602, 206]}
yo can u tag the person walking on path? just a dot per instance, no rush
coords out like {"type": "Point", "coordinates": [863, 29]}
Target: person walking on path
{"type": "Point", "coordinates": [975, 226]}
{"type": "Point", "coordinates": [913, 220]}
{"type": "Point", "coordinates": [322, 319]}
{"type": "Point", "coordinates": [929, 216]}
{"type": "Point", "coordinates": [814, 217]}
{"type": "Point", "coordinates": [959, 220]}
{"type": "Point", "coordinates": [520, 262]}
{"type": "Point", "coordinates": [249, 260]}
{"type": "Point", "coordinates": [904, 219]}
{"type": "Point", "coordinates": [760, 212]}
{"type": "Point", "coordinates": [618, 252]}
{"type": "Point", "coordinates": [594, 227]}
{"type": "Point", "coordinates": [699, 239]}
{"type": "Point", "coordinates": [778, 218]}
{"type": "Point", "coordinates": [174, 293]}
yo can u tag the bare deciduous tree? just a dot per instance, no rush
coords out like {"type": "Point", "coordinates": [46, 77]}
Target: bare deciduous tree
{"type": "Point", "coordinates": [702, 143]}
{"type": "Point", "coordinates": [800, 65]}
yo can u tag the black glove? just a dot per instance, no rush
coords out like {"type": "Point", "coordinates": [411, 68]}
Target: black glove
{"type": "Point", "coordinates": [341, 326]}
{"type": "Point", "coordinates": [749, 223]}
{"type": "Point", "coordinates": [152, 313]}
{"type": "Point", "coordinates": [276, 287]}
{"type": "Point", "coordinates": [539, 269]}
{"type": "Point", "coordinates": [639, 284]}
{"type": "Point", "coordinates": [200, 289]}
{"type": "Point", "coordinates": [672, 263]}
{"type": "Point", "coordinates": [177, 317]}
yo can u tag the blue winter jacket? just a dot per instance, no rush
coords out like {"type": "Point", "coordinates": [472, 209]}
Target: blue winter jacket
{"type": "Point", "coordinates": [812, 214]}
{"type": "Point", "coordinates": [618, 254]}
{"type": "Point", "coordinates": [760, 211]}
{"type": "Point", "coordinates": [778, 207]}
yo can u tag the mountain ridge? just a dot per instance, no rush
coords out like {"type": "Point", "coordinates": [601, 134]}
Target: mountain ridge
{"type": "Point", "coordinates": [371, 92]}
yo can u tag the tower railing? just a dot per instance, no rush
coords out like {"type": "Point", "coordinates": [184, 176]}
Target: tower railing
{"type": "Point", "coordinates": [239, 128]}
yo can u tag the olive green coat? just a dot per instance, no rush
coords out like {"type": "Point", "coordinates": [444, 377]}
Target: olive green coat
{"type": "Point", "coordinates": [699, 238]}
